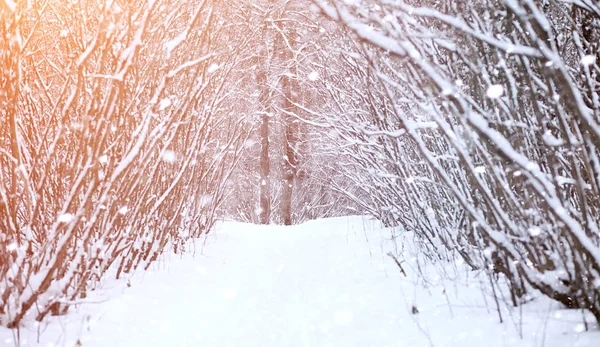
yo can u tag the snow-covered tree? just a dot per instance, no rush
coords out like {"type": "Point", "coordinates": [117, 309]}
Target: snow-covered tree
{"type": "Point", "coordinates": [482, 133]}
{"type": "Point", "coordinates": [115, 140]}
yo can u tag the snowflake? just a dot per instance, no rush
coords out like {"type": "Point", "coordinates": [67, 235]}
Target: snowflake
{"type": "Point", "coordinates": [588, 60]}
{"type": "Point", "coordinates": [495, 91]}
{"type": "Point", "coordinates": [65, 218]}
{"type": "Point", "coordinates": [212, 68]}
{"type": "Point", "coordinates": [164, 103]}
{"type": "Point", "coordinates": [168, 156]}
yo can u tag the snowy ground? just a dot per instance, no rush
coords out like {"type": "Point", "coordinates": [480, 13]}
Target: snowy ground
{"type": "Point", "coordinates": [323, 283]}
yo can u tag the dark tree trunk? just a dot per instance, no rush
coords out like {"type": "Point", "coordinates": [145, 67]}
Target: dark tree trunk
{"type": "Point", "coordinates": [265, 161]}
{"type": "Point", "coordinates": [290, 89]}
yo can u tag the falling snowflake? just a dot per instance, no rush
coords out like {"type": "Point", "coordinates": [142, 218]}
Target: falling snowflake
{"type": "Point", "coordinates": [164, 103]}
{"type": "Point", "coordinates": [123, 210]}
{"type": "Point", "coordinates": [494, 91]}
{"type": "Point", "coordinates": [579, 328]}
{"type": "Point", "coordinates": [212, 68]}
{"type": "Point", "coordinates": [249, 143]}
{"type": "Point", "coordinates": [168, 156]}
{"type": "Point", "coordinates": [487, 252]}
{"type": "Point", "coordinates": [535, 231]}
{"type": "Point", "coordinates": [480, 169]}
{"type": "Point", "coordinates": [65, 218]}
{"type": "Point", "coordinates": [313, 76]}
{"type": "Point", "coordinates": [588, 60]}
{"type": "Point", "coordinates": [205, 200]}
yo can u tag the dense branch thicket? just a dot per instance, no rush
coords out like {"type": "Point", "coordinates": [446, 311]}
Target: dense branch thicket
{"type": "Point", "coordinates": [481, 133]}
{"type": "Point", "coordinates": [288, 172]}
{"type": "Point", "coordinates": [115, 140]}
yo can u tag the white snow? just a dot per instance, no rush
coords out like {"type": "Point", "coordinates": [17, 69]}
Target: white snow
{"type": "Point", "coordinates": [164, 103]}
{"type": "Point", "coordinates": [168, 156]}
{"type": "Point", "coordinates": [323, 283]}
{"type": "Point", "coordinates": [551, 140]}
{"type": "Point", "coordinates": [11, 5]}
{"type": "Point", "coordinates": [171, 45]}
{"type": "Point", "coordinates": [588, 60]}
{"type": "Point", "coordinates": [212, 68]}
{"type": "Point", "coordinates": [65, 218]}
{"type": "Point", "coordinates": [535, 231]}
{"type": "Point", "coordinates": [495, 91]}
{"type": "Point", "coordinates": [313, 76]}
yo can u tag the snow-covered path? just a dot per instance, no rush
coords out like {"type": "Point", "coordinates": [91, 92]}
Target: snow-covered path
{"type": "Point", "coordinates": [323, 283]}
{"type": "Point", "coordinates": [252, 286]}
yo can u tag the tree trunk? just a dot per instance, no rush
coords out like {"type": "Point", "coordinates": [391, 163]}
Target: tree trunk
{"type": "Point", "coordinates": [265, 161]}
{"type": "Point", "coordinates": [290, 93]}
